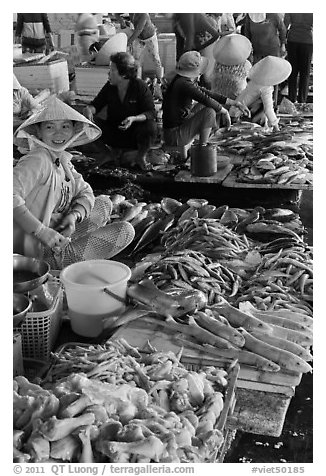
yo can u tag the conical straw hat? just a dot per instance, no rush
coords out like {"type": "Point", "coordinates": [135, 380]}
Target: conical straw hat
{"type": "Point", "coordinates": [16, 84]}
{"type": "Point", "coordinates": [54, 110]}
{"type": "Point", "coordinates": [270, 71]}
{"type": "Point", "coordinates": [116, 44]}
{"type": "Point", "coordinates": [232, 49]}
{"type": "Point", "coordinates": [257, 17]}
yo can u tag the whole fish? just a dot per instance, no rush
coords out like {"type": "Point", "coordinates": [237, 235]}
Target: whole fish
{"type": "Point", "coordinates": [218, 212]}
{"type": "Point", "coordinates": [179, 211]}
{"type": "Point", "coordinates": [145, 292]}
{"type": "Point", "coordinates": [280, 243]}
{"type": "Point", "coordinates": [131, 212]}
{"type": "Point", "coordinates": [143, 225]}
{"type": "Point", "coordinates": [170, 205]}
{"type": "Point", "coordinates": [138, 218]}
{"type": "Point", "coordinates": [153, 232]}
{"type": "Point", "coordinates": [204, 211]}
{"type": "Point", "coordinates": [262, 227]}
{"type": "Point", "coordinates": [229, 218]}
{"type": "Point", "coordinates": [129, 315]}
{"type": "Point", "coordinates": [251, 218]}
{"type": "Point", "coordinates": [280, 214]}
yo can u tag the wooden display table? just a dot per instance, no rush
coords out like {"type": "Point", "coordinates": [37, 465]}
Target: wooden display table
{"type": "Point", "coordinates": [231, 181]}
{"type": "Point", "coordinates": [221, 174]}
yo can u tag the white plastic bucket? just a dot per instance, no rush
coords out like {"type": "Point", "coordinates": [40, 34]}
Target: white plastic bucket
{"type": "Point", "coordinates": [96, 293]}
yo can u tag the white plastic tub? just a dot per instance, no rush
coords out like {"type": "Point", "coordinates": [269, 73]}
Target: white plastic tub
{"type": "Point", "coordinates": [96, 293]}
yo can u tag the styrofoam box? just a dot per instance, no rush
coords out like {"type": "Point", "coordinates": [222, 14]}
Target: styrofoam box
{"type": "Point", "coordinates": [89, 80]}
{"type": "Point", "coordinates": [167, 50]}
{"type": "Point", "coordinates": [53, 76]}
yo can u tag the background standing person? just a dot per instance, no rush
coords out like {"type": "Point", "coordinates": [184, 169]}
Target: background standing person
{"type": "Point", "coordinates": [144, 40]}
{"type": "Point", "coordinates": [299, 50]}
{"type": "Point", "coordinates": [194, 31]}
{"type": "Point", "coordinates": [267, 33]}
{"type": "Point", "coordinates": [87, 34]}
{"type": "Point", "coordinates": [33, 31]}
{"type": "Point", "coordinates": [226, 23]}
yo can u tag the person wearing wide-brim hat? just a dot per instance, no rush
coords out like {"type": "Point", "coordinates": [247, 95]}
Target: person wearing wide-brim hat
{"type": "Point", "coordinates": [231, 66]}
{"type": "Point", "coordinates": [258, 94]}
{"type": "Point", "coordinates": [181, 120]}
{"type": "Point", "coordinates": [117, 43]}
{"type": "Point", "coordinates": [56, 216]}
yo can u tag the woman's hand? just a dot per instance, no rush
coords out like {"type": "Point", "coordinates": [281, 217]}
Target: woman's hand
{"type": "Point", "coordinates": [51, 238]}
{"type": "Point", "coordinates": [283, 51]}
{"type": "Point", "coordinates": [242, 107]}
{"type": "Point", "coordinates": [67, 226]}
{"type": "Point", "coordinates": [88, 112]}
{"type": "Point", "coordinates": [226, 118]}
{"type": "Point", "coordinates": [126, 123]}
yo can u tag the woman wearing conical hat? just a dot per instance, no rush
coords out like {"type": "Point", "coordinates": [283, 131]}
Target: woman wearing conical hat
{"type": "Point", "coordinates": [258, 94]}
{"type": "Point", "coordinates": [231, 66]}
{"type": "Point", "coordinates": [56, 216]}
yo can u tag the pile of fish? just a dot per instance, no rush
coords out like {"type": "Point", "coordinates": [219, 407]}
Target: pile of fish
{"type": "Point", "coordinates": [298, 124]}
{"type": "Point", "coordinates": [270, 340]}
{"type": "Point", "coordinates": [270, 325]}
{"type": "Point", "coordinates": [280, 163]}
{"type": "Point", "coordinates": [153, 410]}
{"type": "Point", "coordinates": [192, 270]}
{"type": "Point", "coordinates": [282, 278]}
{"type": "Point", "coordinates": [305, 107]}
{"type": "Point", "coordinates": [271, 158]}
{"type": "Point", "coordinates": [206, 248]}
{"type": "Point", "coordinates": [219, 232]}
{"type": "Point", "coordinates": [214, 237]}
{"type": "Point", "coordinates": [206, 235]}
{"type": "Point", "coordinates": [265, 340]}
{"type": "Point", "coordinates": [219, 250]}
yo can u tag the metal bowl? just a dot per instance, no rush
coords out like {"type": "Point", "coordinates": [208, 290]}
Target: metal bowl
{"type": "Point", "coordinates": [29, 273]}
{"type": "Point", "coordinates": [21, 306]}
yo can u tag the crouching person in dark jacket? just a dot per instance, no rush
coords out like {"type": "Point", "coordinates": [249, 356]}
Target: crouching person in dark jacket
{"type": "Point", "coordinates": [130, 120]}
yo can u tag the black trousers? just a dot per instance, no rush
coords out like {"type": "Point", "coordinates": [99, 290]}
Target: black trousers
{"type": "Point", "coordinates": [299, 55]}
{"type": "Point", "coordinates": [140, 135]}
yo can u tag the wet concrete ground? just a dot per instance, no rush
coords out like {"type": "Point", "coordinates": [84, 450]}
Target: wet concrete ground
{"type": "Point", "coordinates": [294, 445]}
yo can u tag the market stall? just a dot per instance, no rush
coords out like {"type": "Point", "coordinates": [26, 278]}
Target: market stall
{"type": "Point", "coordinates": [242, 271]}
{"type": "Point", "coordinates": [226, 279]}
